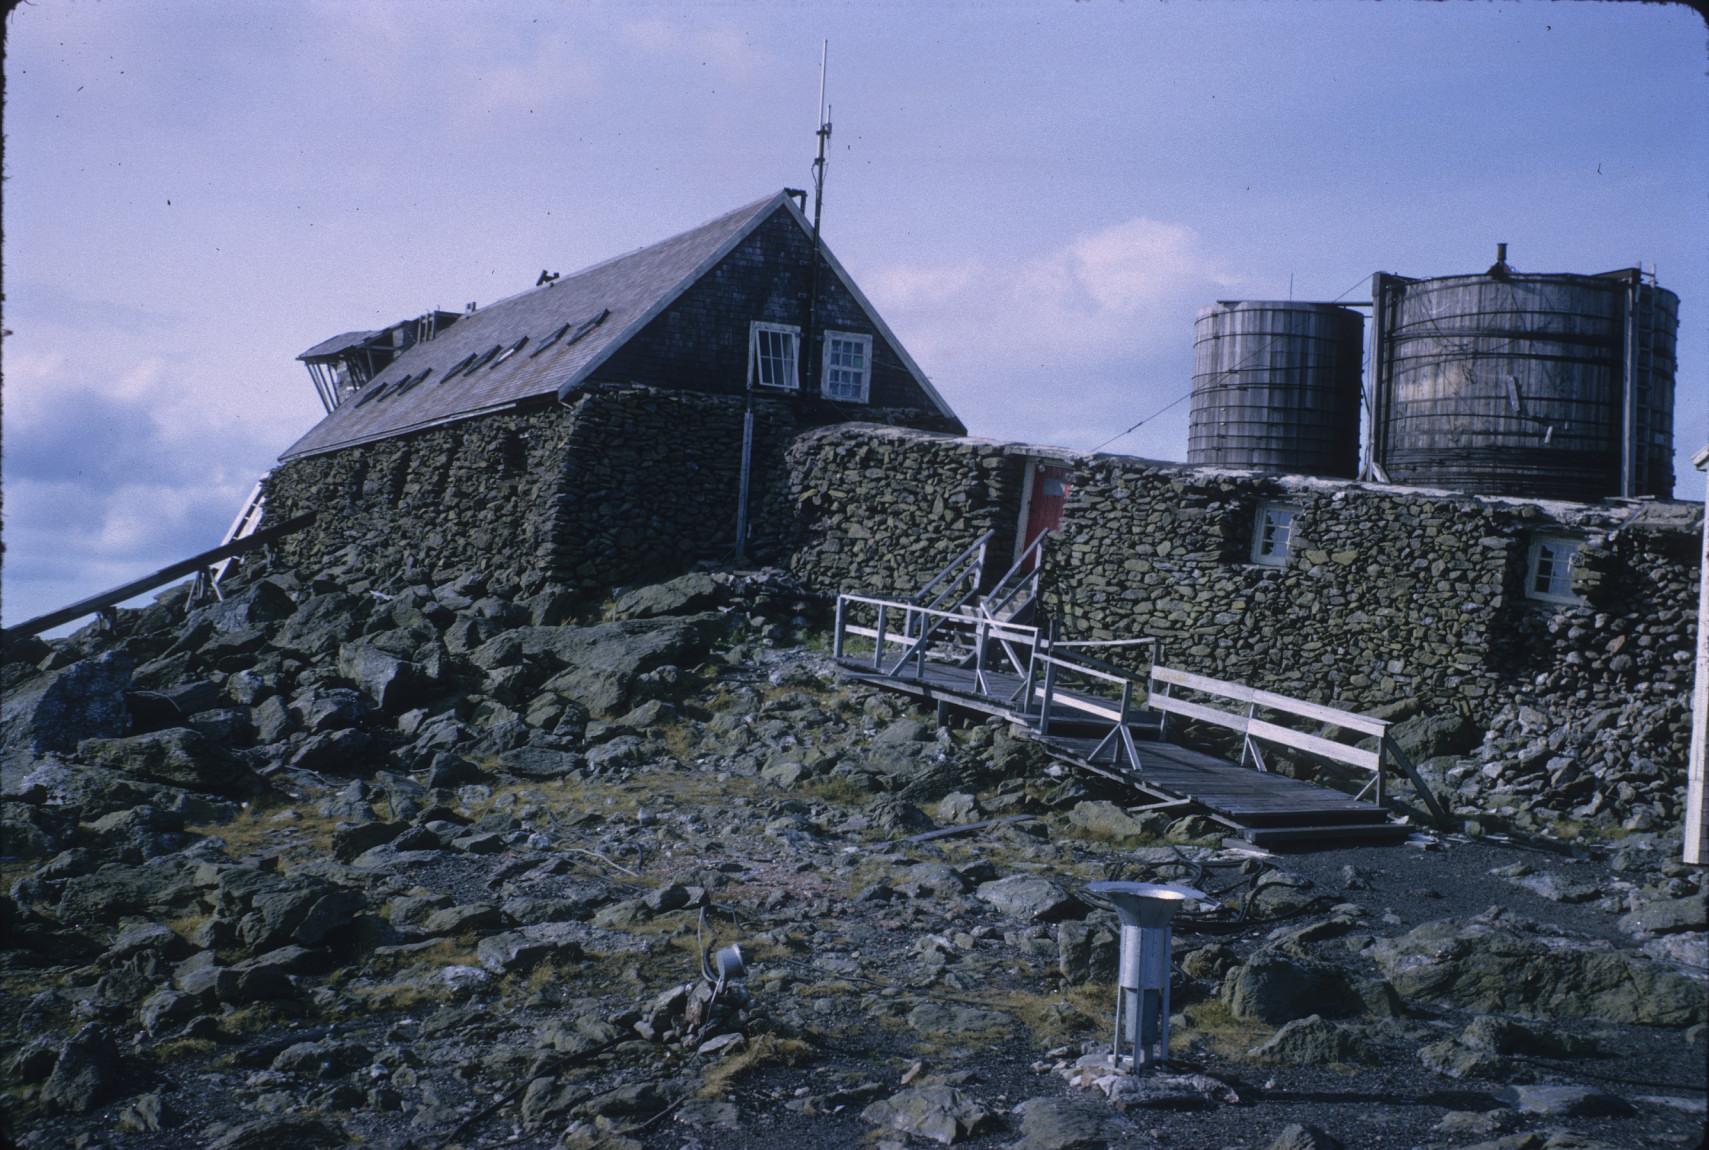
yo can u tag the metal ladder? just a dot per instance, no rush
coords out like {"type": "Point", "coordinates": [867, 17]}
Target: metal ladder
{"type": "Point", "coordinates": [244, 525]}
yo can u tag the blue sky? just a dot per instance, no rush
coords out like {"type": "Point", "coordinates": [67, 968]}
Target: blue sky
{"type": "Point", "coordinates": [1037, 197]}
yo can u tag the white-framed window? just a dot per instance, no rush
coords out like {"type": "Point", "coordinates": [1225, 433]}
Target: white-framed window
{"type": "Point", "coordinates": [847, 371]}
{"type": "Point", "coordinates": [1273, 533]}
{"type": "Point", "coordinates": [772, 355]}
{"type": "Point", "coordinates": [1549, 568]}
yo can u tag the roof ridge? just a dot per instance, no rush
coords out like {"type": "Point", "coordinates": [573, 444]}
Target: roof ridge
{"type": "Point", "coordinates": [752, 208]}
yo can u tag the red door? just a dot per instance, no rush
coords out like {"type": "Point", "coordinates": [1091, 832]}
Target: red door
{"type": "Point", "coordinates": [1044, 506]}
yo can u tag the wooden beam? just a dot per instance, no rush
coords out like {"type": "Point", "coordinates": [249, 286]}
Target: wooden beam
{"type": "Point", "coordinates": [178, 570]}
{"type": "Point", "coordinates": [1327, 748]}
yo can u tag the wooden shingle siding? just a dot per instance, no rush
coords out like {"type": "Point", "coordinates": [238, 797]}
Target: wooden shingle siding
{"type": "Point", "coordinates": [700, 342]}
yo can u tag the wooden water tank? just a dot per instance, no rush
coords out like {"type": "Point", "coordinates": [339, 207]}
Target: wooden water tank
{"type": "Point", "coordinates": [1276, 387]}
{"type": "Point", "coordinates": [1543, 386]}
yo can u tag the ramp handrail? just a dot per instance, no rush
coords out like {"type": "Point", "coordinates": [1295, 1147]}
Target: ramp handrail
{"type": "Point", "coordinates": [1251, 728]}
{"type": "Point", "coordinates": [882, 634]}
{"type": "Point", "coordinates": [109, 599]}
{"type": "Point", "coordinates": [1000, 595]}
{"type": "Point", "coordinates": [1120, 737]}
{"type": "Point", "coordinates": [971, 559]}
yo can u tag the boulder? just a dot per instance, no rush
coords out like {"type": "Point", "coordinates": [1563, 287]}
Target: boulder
{"type": "Point", "coordinates": [1106, 821]}
{"type": "Point", "coordinates": [1310, 1041]}
{"type": "Point", "coordinates": [601, 666]}
{"type": "Point", "coordinates": [85, 1073]}
{"type": "Point", "coordinates": [1301, 1137]}
{"type": "Point", "coordinates": [1065, 1124]}
{"type": "Point", "coordinates": [539, 763]}
{"type": "Point", "coordinates": [1086, 954]}
{"type": "Point", "coordinates": [1668, 916]}
{"type": "Point", "coordinates": [1565, 1101]}
{"type": "Point", "coordinates": [394, 684]}
{"type": "Point", "coordinates": [684, 595]}
{"type": "Point", "coordinates": [300, 1132]}
{"type": "Point", "coordinates": [518, 951]}
{"type": "Point", "coordinates": [1494, 965]}
{"type": "Point", "coordinates": [1031, 897]}
{"type": "Point", "coordinates": [1273, 988]}
{"type": "Point", "coordinates": [177, 756]}
{"type": "Point", "coordinates": [255, 608]}
{"type": "Point", "coordinates": [56, 711]}
{"type": "Point", "coordinates": [940, 1114]}
{"type": "Point", "coordinates": [335, 752]}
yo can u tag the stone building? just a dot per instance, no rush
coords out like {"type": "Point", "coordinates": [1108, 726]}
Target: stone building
{"type": "Point", "coordinates": [1545, 648]}
{"type": "Point", "coordinates": [591, 429]}
{"type": "Point", "coordinates": [588, 433]}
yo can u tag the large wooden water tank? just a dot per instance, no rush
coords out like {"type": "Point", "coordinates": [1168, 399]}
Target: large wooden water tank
{"type": "Point", "coordinates": [1543, 386]}
{"type": "Point", "coordinates": [1276, 387]}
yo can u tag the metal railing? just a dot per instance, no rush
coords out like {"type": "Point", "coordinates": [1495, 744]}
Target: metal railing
{"type": "Point", "coordinates": [1042, 672]}
{"type": "Point", "coordinates": [1016, 579]}
{"type": "Point", "coordinates": [967, 568]}
{"type": "Point", "coordinates": [920, 626]}
{"type": "Point", "coordinates": [1120, 711]}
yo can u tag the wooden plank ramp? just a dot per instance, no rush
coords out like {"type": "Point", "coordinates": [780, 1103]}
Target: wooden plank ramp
{"type": "Point", "coordinates": [1267, 809]}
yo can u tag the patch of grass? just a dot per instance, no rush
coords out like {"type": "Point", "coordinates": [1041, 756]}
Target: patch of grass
{"type": "Point", "coordinates": [186, 925]}
{"type": "Point", "coordinates": [765, 1050]}
{"type": "Point", "coordinates": [258, 830]}
{"type": "Point", "coordinates": [1055, 1017]}
{"type": "Point", "coordinates": [1210, 1024]}
{"type": "Point", "coordinates": [174, 1049]}
{"type": "Point", "coordinates": [406, 995]}
{"type": "Point", "coordinates": [837, 789]}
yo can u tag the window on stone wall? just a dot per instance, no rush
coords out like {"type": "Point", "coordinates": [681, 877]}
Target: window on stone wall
{"type": "Point", "coordinates": [1549, 568]}
{"type": "Point", "coordinates": [1273, 533]}
{"type": "Point", "coordinates": [848, 366]}
{"type": "Point", "coordinates": [772, 355]}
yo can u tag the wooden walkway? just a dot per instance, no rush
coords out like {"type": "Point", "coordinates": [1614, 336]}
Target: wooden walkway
{"type": "Point", "coordinates": [1265, 808]}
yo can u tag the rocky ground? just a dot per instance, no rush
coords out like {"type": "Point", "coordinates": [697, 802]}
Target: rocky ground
{"type": "Point", "coordinates": [326, 864]}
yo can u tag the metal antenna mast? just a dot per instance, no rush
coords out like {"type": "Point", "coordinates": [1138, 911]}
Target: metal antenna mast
{"type": "Point", "coordinates": [806, 348]}
{"type": "Point", "coordinates": [824, 134]}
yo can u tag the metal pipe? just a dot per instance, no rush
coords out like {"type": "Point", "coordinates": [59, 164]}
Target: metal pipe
{"type": "Point", "coordinates": [742, 495]}
{"type": "Point", "coordinates": [1629, 391]}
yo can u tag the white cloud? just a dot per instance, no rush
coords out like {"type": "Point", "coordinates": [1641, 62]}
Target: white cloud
{"type": "Point", "coordinates": [1122, 290]}
{"type": "Point", "coordinates": [1066, 346]}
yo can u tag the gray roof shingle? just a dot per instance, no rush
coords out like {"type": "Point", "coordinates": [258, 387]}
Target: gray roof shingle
{"type": "Point", "coordinates": [606, 303]}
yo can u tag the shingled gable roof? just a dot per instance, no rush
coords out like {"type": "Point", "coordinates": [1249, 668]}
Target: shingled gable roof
{"type": "Point", "coordinates": [607, 304]}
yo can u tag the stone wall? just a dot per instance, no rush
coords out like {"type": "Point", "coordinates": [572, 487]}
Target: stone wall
{"type": "Point", "coordinates": [1395, 601]}
{"type": "Point", "coordinates": [627, 483]}
{"type": "Point", "coordinates": [469, 496]}
{"type": "Point", "coordinates": [881, 510]}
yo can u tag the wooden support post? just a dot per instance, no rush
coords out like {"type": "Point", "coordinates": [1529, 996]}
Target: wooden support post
{"type": "Point", "coordinates": [1382, 758]}
{"type": "Point", "coordinates": [1404, 762]}
{"type": "Point", "coordinates": [878, 639]}
{"type": "Point", "coordinates": [837, 634]}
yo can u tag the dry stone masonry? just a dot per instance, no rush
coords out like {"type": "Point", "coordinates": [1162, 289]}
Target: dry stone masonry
{"type": "Point", "coordinates": [1407, 603]}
